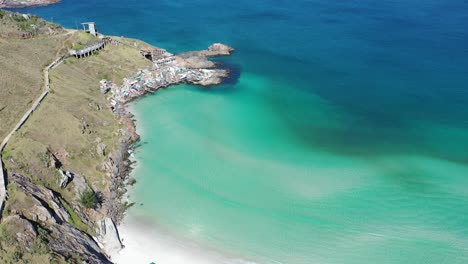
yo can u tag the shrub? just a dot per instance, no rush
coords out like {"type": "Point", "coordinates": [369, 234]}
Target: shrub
{"type": "Point", "coordinates": [6, 237]}
{"type": "Point", "coordinates": [44, 158]}
{"type": "Point", "coordinates": [40, 247]}
{"type": "Point", "coordinates": [17, 255]}
{"type": "Point", "coordinates": [18, 18]}
{"type": "Point", "coordinates": [131, 181]}
{"type": "Point", "coordinates": [88, 199]}
{"type": "Point", "coordinates": [78, 46]}
{"type": "Point", "coordinates": [75, 220]}
{"type": "Point", "coordinates": [7, 154]}
{"type": "Point", "coordinates": [42, 234]}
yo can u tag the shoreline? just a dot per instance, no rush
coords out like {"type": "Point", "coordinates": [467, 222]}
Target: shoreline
{"type": "Point", "coordinates": [122, 162]}
{"type": "Point", "coordinates": [89, 230]}
{"type": "Point", "coordinates": [144, 241]}
{"type": "Point", "coordinates": [167, 70]}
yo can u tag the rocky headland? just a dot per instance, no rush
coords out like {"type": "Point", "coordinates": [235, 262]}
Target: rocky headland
{"type": "Point", "coordinates": [25, 3]}
{"type": "Point", "coordinates": [67, 170]}
{"type": "Point", "coordinates": [192, 67]}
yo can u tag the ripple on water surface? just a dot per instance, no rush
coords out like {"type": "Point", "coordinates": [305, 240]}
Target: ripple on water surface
{"type": "Point", "coordinates": [224, 170]}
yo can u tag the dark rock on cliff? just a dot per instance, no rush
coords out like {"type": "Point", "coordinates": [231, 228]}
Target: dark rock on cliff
{"type": "Point", "coordinates": [43, 208]}
{"type": "Point", "coordinates": [68, 240]}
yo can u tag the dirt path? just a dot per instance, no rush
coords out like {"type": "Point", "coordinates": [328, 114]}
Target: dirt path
{"type": "Point", "coordinates": [3, 191]}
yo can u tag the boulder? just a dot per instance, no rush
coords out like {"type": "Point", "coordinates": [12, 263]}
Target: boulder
{"type": "Point", "coordinates": [220, 49]}
{"type": "Point", "coordinates": [41, 214]}
{"type": "Point", "coordinates": [54, 162]}
{"type": "Point", "coordinates": [45, 207]}
{"type": "Point", "coordinates": [80, 185]}
{"type": "Point", "coordinates": [22, 228]}
{"type": "Point", "coordinates": [48, 211]}
{"type": "Point", "coordinates": [67, 240]}
{"type": "Point", "coordinates": [100, 147]}
{"type": "Point", "coordinates": [65, 179]}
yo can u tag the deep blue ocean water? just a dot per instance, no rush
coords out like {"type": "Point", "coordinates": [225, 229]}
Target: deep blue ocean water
{"type": "Point", "coordinates": [387, 64]}
{"type": "Point", "coordinates": [367, 100]}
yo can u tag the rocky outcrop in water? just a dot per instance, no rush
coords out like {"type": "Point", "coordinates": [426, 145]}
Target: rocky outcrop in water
{"type": "Point", "coordinates": [189, 67]}
{"type": "Point", "coordinates": [217, 49]}
{"type": "Point", "coordinates": [25, 3]}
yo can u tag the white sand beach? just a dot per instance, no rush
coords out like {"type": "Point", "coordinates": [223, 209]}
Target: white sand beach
{"type": "Point", "coordinates": [144, 244]}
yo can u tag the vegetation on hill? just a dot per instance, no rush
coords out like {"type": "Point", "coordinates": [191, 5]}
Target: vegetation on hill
{"type": "Point", "coordinates": [22, 62]}
{"type": "Point", "coordinates": [25, 3]}
{"type": "Point", "coordinates": [79, 40]}
{"type": "Point", "coordinates": [69, 125]}
{"type": "Point", "coordinates": [25, 26]}
{"type": "Point", "coordinates": [88, 199]}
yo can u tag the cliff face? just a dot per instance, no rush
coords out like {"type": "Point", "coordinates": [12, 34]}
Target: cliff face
{"type": "Point", "coordinates": [39, 216]}
{"type": "Point", "coordinates": [25, 3]}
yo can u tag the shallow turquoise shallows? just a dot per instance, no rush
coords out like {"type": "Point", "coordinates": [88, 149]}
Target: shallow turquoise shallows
{"type": "Point", "coordinates": [341, 137]}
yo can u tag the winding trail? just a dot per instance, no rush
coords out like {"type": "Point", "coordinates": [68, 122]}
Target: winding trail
{"type": "Point", "coordinates": [46, 87]}
{"type": "Point", "coordinates": [3, 191]}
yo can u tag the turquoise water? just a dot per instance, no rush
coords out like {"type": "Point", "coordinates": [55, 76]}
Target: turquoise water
{"type": "Point", "coordinates": [340, 138]}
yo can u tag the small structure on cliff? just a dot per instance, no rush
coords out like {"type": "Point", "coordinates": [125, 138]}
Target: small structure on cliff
{"type": "Point", "coordinates": [89, 49]}
{"type": "Point", "coordinates": [90, 27]}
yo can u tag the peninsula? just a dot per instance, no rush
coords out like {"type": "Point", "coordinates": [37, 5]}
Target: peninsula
{"type": "Point", "coordinates": [25, 3]}
{"type": "Point", "coordinates": [67, 134]}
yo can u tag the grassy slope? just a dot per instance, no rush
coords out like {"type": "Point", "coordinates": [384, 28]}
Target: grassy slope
{"type": "Point", "coordinates": [12, 253]}
{"type": "Point", "coordinates": [21, 77]}
{"type": "Point", "coordinates": [21, 63]}
{"type": "Point", "coordinates": [57, 124]}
